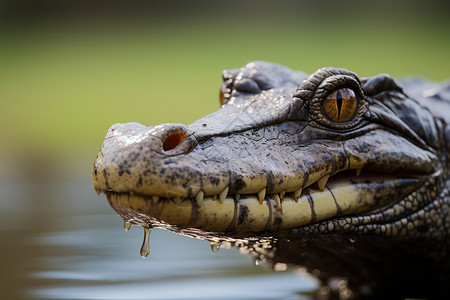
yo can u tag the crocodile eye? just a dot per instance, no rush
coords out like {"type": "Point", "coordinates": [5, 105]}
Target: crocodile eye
{"type": "Point", "coordinates": [340, 106]}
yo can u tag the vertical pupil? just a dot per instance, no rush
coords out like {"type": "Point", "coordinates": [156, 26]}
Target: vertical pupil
{"type": "Point", "coordinates": [339, 103]}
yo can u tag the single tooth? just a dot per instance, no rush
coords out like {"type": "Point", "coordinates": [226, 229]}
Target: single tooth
{"type": "Point", "coordinates": [297, 194]}
{"type": "Point", "coordinates": [155, 199]}
{"type": "Point", "coordinates": [262, 195]}
{"type": "Point", "coordinates": [199, 198]}
{"type": "Point", "coordinates": [223, 195]}
{"type": "Point", "coordinates": [323, 181]}
{"type": "Point", "coordinates": [98, 191]}
{"type": "Point", "coordinates": [282, 194]}
{"type": "Point", "coordinates": [237, 197]}
{"type": "Point", "coordinates": [358, 171]}
{"type": "Point", "coordinates": [214, 197]}
{"type": "Point", "coordinates": [177, 200]}
{"type": "Point", "coordinates": [277, 198]}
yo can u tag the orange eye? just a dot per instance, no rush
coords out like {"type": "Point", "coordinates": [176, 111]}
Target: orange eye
{"type": "Point", "coordinates": [341, 105]}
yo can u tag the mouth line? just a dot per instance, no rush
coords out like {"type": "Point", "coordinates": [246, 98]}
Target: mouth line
{"type": "Point", "coordinates": [324, 183]}
{"type": "Point", "coordinates": [343, 194]}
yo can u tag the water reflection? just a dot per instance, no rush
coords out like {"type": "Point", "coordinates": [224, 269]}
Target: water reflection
{"type": "Point", "coordinates": [103, 263]}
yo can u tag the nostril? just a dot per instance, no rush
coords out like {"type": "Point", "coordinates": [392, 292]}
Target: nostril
{"type": "Point", "coordinates": [173, 141]}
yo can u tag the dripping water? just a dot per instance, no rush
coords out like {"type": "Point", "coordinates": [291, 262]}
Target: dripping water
{"type": "Point", "coordinates": [215, 246]}
{"type": "Point", "coordinates": [145, 248]}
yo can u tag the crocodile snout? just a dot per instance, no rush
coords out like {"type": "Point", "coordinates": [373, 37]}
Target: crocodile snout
{"type": "Point", "coordinates": [134, 158]}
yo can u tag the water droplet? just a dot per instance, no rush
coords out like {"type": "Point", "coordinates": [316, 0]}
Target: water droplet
{"type": "Point", "coordinates": [145, 249]}
{"type": "Point", "coordinates": [127, 225]}
{"type": "Point", "coordinates": [215, 246]}
{"type": "Point", "coordinates": [258, 262]}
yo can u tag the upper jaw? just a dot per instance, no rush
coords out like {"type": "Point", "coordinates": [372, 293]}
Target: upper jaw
{"type": "Point", "coordinates": [232, 183]}
{"type": "Point", "coordinates": [260, 162]}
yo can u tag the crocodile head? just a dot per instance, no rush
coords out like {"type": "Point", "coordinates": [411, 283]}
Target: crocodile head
{"type": "Point", "coordinates": [286, 151]}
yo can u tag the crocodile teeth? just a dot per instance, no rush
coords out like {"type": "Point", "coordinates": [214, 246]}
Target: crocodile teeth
{"type": "Point", "coordinates": [322, 182]}
{"type": "Point", "coordinates": [358, 171]}
{"type": "Point", "coordinates": [282, 194]}
{"type": "Point", "coordinates": [237, 197]}
{"type": "Point", "coordinates": [297, 194]}
{"type": "Point", "coordinates": [277, 198]}
{"type": "Point", "coordinates": [262, 195]}
{"type": "Point", "coordinates": [155, 199]}
{"type": "Point", "coordinates": [177, 200]}
{"type": "Point", "coordinates": [199, 198]}
{"type": "Point", "coordinates": [223, 194]}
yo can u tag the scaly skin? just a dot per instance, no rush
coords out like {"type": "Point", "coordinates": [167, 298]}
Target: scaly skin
{"type": "Point", "coordinates": [270, 160]}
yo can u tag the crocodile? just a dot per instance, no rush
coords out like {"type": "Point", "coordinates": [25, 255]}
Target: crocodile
{"type": "Point", "coordinates": [296, 156]}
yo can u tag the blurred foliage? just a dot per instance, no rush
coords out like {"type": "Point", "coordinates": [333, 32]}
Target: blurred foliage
{"type": "Point", "coordinates": [70, 69]}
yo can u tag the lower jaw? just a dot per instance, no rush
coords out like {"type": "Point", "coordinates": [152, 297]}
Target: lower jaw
{"type": "Point", "coordinates": [347, 196]}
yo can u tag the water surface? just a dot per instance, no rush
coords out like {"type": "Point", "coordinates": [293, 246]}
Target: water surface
{"type": "Point", "coordinates": [62, 241]}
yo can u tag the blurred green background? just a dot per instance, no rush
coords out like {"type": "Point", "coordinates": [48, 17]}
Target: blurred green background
{"type": "Point", "coordinates": [70, 69]}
